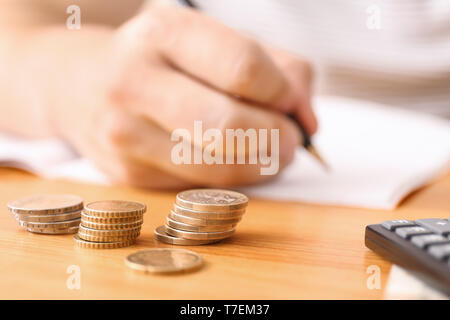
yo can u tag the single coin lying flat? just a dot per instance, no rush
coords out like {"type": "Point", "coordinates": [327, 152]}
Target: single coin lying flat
{"type": "Point", "coordinates": [236, 214]}
{"type": "Point", "coordinates": [70, 230]}
{"type": "Point", "coordinates": [202, 222]}
{"type": "Point", "coordinates": [115, 208]}
{"type": "Point", "coordinates": [187, 227]}
{"type": "Point", "coordinates": [163, 236]}
{"type": "Point", "coordinates": [47, 218]}
{"type": "Point", "coordinates": [102, 245]}
{"type": "Point", "coordinates": [211, 200]}
{"type": "Point", "coordinates": [164, 260]}
{"type": "Point", "coordinates": [46, 204]}
{"type": "Point", "coordinates": [199, 235]}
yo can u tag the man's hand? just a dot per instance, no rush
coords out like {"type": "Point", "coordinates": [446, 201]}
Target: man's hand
{"type": "Point", "coordinates": [124, 94]}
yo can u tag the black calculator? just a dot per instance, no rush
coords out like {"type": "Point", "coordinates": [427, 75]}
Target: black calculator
{"type": "Point", "coordinates": [421, 247]}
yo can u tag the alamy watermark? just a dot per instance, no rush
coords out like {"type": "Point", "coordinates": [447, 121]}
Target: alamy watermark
{"type": "Point", "coordinates": [373, 21]}
{"type": "Point", "coordinates": [73, 22]}
{"type": "Point", "coordinates": [374, 280]}
{"type": "Point", "coordinates": [209, 147]}
{"type": "Point", "coordinates": [73, 282]}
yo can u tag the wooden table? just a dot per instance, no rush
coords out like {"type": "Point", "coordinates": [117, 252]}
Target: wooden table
{"type": "Point", "coordinates": [280, 251]}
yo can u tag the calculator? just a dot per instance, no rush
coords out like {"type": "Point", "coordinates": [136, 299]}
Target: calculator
{"type": "Point", "coordinates": [421, 246]}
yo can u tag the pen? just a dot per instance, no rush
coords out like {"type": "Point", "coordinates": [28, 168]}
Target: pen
{"type": "Point", "coordinates": [307, 144]}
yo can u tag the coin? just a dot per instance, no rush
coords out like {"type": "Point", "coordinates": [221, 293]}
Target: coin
{"type": "Point", "coordinates": [161, 235]}
{"type": "Point", "coordinates": [208, 215]}
{"type": "Point", "coordinates": [114, 208]}
{"type": "Point", "coordinates": [46, 204]}
{"type": "Point", "coordinates": [53, 231]}
{"type": "Point", "coordinates": [48, 218]}
{"type": "Point", "coordinates": [202, 222]}
{"type": "Point", "coordinates": [187, 227]}
{"type": "Point", "coordinates": [102, 245]}
{"type": "Point", "coordinates": [110, 233]}
{"type": "Point", "coordinates": [51, 225]}
{"type": "Point", "coordinates": [199, 235]}
{"type": "Point", "coordinates": [211, 200]}
{"type": "Point", "coordinates": [92, 238]}
{"type": "Point", "coordinates": [110, 220]}
{"type": "Point", "coordinates": [112, 226]}
{"type": "Point", "coordinates": [164, 260]}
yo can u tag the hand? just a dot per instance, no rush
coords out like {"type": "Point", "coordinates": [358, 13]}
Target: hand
{"type": "Point", "coordinates": [163, 70]}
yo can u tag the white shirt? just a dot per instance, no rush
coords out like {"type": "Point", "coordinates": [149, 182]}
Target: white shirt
{"type": "Point", "coordinates": [389, 51]}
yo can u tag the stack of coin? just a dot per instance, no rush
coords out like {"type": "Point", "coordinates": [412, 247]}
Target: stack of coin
{"type": "Point", "coordinates": [110, 224]}
{"type": "Point", "coordinates": [48, 213]}
{"type": "Point", "coordinates": [202, 216]}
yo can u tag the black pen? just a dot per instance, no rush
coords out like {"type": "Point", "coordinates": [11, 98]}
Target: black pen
{"type": "Point", "coordinates": [307, 144]}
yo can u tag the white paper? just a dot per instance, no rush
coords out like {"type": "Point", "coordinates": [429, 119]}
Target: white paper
{"type": "Point", "coordinates": [49, 158]}
{"type": "Point", "coordinates": [377, 156]}
{"type": "Point", "coordinates": [402, 285]}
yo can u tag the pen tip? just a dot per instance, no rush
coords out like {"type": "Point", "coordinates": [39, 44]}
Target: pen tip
{"type": "Point", "coordinates": [313, 151]}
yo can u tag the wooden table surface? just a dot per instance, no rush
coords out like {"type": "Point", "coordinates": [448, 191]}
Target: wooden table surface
{"type": "Point", "coordinates": [280, 251]}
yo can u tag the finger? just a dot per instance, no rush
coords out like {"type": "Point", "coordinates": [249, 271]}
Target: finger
{"type": "Point", "coordinates": [215, 54]}
{"type": "Point", "coordinates": [138, 174]}
{"type": "Point", "coordinates": [299, 74]}
{"type": "Point", "coordinates": [141, 140]}
{"type": "Point", "coordinates": [172, 99]}
{"type": "Point", "coordinates": [122, 169]}
{"type": "Point", "coordinates": [193, 102]}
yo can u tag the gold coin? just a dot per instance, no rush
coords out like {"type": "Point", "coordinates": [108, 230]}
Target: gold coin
{"type": "Point", "coordinates": [202, 222]}
{"type": "Point", "coordinates": [112, 226]}
{"type": "Point", "coordinates": [161, 235]}
{"type": "Point", "coordinates": [212, 200]}
{"type": "Point", "coordinates": [110, 220]}
{"type": "Point", "coordinates": [102, 245]}
{"type": "Point", "coordinates": [208, 215]}
{"type": "Point", "coordinates": [53, 231]}
{"type": "Point", "coordinates": [46, 204]}
{"type": "Point", "coordinates": [48, 218]}
{"type": "Point", "coordinates": [110, 233]}
{"type": "Point", "coordinates": [114, 208]}
{"type": "Point", "coordinates": [199, 235]}
{"type": "Point", "coordinates": [187, 227]}
{"type": "Point", "coordinates": [164, 260]}
{"type": "Point", "coordinates": [90, 237]}
{"type": "Point", "coordinates": [51, 225]}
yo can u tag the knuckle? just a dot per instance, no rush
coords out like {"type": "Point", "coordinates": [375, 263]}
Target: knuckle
{"type": "Point", "coordinates": [114, 129]}
{"type": "Point", "coordinates": [233, 119]}
{"type": "Point", "coordinates": [162, 22]}
{"type": "Point", "coordinates": [308, 71]}
{"type": "Point", "coordinates": [247, 66]}
{"type": "Point", "coordinates": [125, 174]}
{"type": "Point", "coordinates": [129, 176]}
{"type": "Point", "coordinates": [304, 69]}
{"type": "Point", "coordinates": [228, 176]}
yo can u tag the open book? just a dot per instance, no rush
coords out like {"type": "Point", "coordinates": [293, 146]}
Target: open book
{"type": "Point", "coordinates": [377, 155]}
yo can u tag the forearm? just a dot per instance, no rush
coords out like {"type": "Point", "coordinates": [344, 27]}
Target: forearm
{"type": "Point", "coordinates": [45, 70]}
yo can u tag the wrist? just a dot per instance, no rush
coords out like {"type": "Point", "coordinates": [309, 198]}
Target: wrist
{"type": "Point", "coordinates": [79, 70]}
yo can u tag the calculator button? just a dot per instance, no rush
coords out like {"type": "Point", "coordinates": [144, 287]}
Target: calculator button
{"type": "Point", "coordinates": [439, 251]}
{"type": "Point", "coordinates": [440, 226]}
{"type": "Point", "coordinates": [408, 232]}
{"type": "Point", "coordinates": [424, 241]}
{"type": "Point", "coordinates": [393, 224]}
